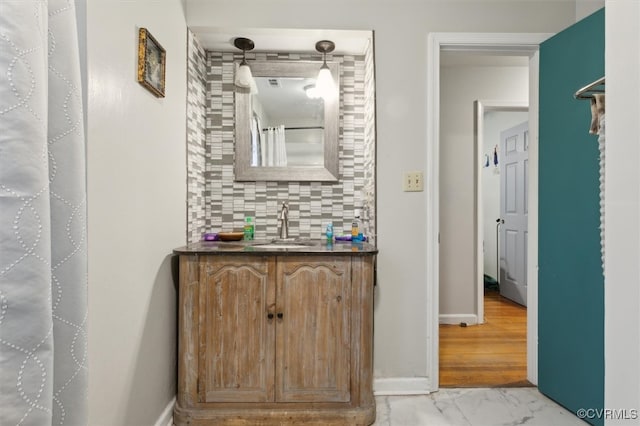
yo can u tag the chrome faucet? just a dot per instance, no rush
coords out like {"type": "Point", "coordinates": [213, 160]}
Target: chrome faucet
{"type": "Point", "coordinates": [284, 217]}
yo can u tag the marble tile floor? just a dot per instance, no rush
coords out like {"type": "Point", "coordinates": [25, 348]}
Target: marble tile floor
{"type": "Point", "coordinates": [473, 407]}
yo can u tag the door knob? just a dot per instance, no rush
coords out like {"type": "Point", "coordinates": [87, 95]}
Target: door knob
{"type": "Point", "coordinates": [280, 315]}
{"type": "Point", "coordinates": [270, 315]}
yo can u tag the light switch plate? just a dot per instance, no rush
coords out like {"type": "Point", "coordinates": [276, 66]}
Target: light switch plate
{"type": "Point", "coordinates": [413, 182]}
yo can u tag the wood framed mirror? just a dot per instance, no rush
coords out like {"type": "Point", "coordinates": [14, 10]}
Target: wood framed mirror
{"type": "Point", "coordinates": [281, 132]}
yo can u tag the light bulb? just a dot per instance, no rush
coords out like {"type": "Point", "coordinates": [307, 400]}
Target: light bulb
{"type": "Point", "coordinates": [324, 83]}
{"type": "Point", "coordinates": [243, 75]}
{"type": "Point", "coordinates": [312, 91]}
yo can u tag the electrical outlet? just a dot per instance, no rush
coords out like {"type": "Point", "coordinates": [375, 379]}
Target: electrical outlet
{"type": "Point", "coordinates": [413, 182]}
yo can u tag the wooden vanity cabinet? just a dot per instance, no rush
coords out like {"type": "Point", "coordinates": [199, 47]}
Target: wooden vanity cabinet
{"type": "Point", "coordinates": [266, 340]}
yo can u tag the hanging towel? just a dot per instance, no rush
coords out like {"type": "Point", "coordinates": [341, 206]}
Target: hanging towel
{"type": "Point", "coordinates": [597, 127]}
{"type": "Point", "coordinates": [593, 128]}
{"type": "Point", "coordinates": [597, 109]}
{"type": "Point", "coordinates": [601, 146]}
{"type": "Point", "coordinates": [599, 97]}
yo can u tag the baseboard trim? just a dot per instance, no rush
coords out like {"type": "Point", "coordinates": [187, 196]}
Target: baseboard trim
{"type": "Point", "coordinates": [469, 319]}
{"type": "Point", "coordinates": [166, 418]}
{"type": "Point", "coordinates": [401, 386]}
{"type": "Point", "coordinates": [381, 387]}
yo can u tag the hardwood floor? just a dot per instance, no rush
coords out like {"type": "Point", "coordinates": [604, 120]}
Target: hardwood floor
{"type": "Point", "coordinates": [493, 354]}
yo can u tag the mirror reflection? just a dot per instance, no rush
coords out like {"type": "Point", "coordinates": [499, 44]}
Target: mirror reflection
{"type": "Point", "coordinates": [283, 130]}
{"type": "Point", "coordinates": [287, 126]}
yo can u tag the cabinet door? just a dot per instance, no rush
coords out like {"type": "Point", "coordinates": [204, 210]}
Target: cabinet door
{"type": "Point", "coordinates": [313, 333]}
{"type": "Point", "coordinates": [236, 359]}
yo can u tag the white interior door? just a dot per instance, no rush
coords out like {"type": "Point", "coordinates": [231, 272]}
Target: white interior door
{"type": "Point", "coordinates": [514, 145]}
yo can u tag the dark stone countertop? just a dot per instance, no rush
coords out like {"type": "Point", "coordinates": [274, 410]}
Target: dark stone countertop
{"type": "Point", "coordinates": [278, 247]}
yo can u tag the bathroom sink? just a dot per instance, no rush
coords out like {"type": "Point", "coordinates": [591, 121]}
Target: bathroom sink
{"type": "Point", "coordinates": [284, 243]}
{"type": "Point", "coordinates": [280, 246]}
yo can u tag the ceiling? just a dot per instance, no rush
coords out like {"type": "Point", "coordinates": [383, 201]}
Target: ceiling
{"type": "Point", "coordinates": [288, 103]}
{"type": "Point", "coordinates": [349, 42]}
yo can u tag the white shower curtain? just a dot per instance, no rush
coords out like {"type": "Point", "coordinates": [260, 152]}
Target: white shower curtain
{"type": "Point", "coordinates": [281, 148]}
{"type": "Point", "coordinates": [43, 265]}
{"type": "Point", "coordinates": [276, 150]}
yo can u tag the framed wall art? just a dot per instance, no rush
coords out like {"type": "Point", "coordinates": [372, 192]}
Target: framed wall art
{"type": "Point", "coordinates": [151, 63]}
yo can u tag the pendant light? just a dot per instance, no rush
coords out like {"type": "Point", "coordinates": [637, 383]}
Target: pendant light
{"type": "Point", "coordinates": [324, 83]}
{"type": "Point", "coordinates": [244, 78]}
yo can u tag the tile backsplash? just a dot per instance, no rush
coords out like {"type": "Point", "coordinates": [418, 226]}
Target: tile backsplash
{"type": "Point", "coordinates": [196, 164]}
{"type": "Point", "coordinates": [217, 203]}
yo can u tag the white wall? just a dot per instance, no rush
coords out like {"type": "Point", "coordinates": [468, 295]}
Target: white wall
{"type": "Point", "coordinates": [460, 86]}
{"type": "Point", "coordinates": [622, 208]}
{"type": "Point", "coordinates": [136, 211]}
{"type": "Point", "coordinates": [585, 8]}
{"type": "Point", "coordinates": [401, 30]}
{"type": "Point", "coordinates": [494, 123]}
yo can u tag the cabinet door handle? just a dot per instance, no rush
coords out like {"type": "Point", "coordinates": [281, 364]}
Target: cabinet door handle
{"type": "Point", "coordinates": [280, 315]}
{"type": "Point", "coordinates": [270, 315]}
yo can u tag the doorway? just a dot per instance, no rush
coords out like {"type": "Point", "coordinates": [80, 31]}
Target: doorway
{"type": "Point", "coordinates": [470, 140]}
{"type": "Point", "coordinates": [492, 118]}
{"type": "Point", "coordinates": [523, 44]}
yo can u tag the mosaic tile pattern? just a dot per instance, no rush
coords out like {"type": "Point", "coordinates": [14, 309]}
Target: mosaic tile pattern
{"type": "Point", "coordinates": [224, 203]}
{"type": "Point", "coordinates": [369, 192]}
{"type": "Point", "coordinates": [196, 88]}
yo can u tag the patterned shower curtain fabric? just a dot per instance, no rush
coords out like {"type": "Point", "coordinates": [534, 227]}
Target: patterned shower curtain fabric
{"type": "Point", "coordinates": [43, 265]}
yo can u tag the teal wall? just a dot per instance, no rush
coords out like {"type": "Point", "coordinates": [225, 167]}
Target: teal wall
{"type": "Point", "coordinates": [570, 279]}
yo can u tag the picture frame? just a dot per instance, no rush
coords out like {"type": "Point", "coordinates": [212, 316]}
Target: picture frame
{"type": "Point", "coordinates": [151, 63]}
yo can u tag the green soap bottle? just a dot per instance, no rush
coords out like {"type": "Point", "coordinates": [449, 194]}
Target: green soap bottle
{"type": "Point", "coordinates": [248, 228]}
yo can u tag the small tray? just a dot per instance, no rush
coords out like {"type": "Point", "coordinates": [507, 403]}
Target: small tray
{"type": "Point", "coordinates": [230, 236]}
